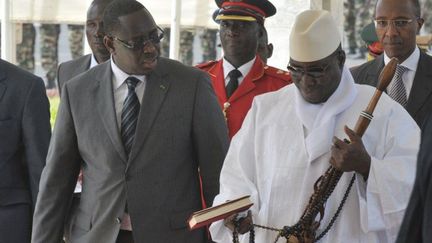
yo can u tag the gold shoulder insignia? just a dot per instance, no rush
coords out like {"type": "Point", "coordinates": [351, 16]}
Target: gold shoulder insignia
{"type": "Point", "coordinates": [278, 73]}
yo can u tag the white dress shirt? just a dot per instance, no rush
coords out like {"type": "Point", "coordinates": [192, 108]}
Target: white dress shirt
{"type": "Point", "coordinates": [244, 69]}
{"type": "Point", "coordinates": [120, 89]}
{"type": "Point", "coordinates": [93, 61]}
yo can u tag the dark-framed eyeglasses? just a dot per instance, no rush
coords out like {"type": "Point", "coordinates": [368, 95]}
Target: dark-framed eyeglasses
{"type": "Point", "coordinates": [313, 72]}
{"type": "Point", "coordinates": [397, 23]}
{"type": "Point", "coordinates": [155, 37]}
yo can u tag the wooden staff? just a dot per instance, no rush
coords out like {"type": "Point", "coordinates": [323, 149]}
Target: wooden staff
{"type": "Point", "coordinates": [384, 80]}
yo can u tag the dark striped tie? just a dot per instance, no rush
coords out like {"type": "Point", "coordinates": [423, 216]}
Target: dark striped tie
{"type": "Point", "coordinates": [397, 90]}
{"type": "Point", "coordinates": [129, 115]}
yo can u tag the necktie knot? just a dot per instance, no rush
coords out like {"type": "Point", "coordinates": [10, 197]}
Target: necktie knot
{"type": "Point", "coordinates": [233, 81]}
{"type": "Point", "coordinates": [234, 74]}
{"type": "Point", "coordinates": [400, 70]}
{"type": "Point", "coordinates": [132, 82]}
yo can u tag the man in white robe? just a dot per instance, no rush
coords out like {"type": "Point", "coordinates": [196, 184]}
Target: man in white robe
{"type": "Point", "coordinates": [289, 137]}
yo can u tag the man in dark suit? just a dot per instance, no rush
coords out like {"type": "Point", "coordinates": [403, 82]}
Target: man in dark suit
{"type": "Point", "coordinates": [95, 34]}
{"type": "Point", "coordinates": [417, 223]}
{"type": "Point", "coordinates": [24, 137]}
{"type": "Point", "coordinates": [143, 125]}
{"type": "Point", "coordinates": [397, 23]}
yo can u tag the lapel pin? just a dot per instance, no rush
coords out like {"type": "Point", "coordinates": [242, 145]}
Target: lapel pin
{"type": "Point", "coordinates": [162, 87]}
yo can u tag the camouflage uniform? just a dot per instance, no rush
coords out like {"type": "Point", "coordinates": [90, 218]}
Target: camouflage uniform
{"type": "Point", "coordinates": [365, 12]}
{"type": "Point", "coordinates": [76, 36]}
{"type": "Point", "coordinates": [165, 43]}
{"type": "Point", "coordinates": [350, 25]}
{"type": "Point", "coordinates": [49, 34]}
{"type": "Point", "coordinates": [208, 44]}
{"type": "Point", "coordinates": [426, 14]}
{"type": "Point", "coordinates": [186, 42]}
{"type": "Point", "coordinates": [25, 49]}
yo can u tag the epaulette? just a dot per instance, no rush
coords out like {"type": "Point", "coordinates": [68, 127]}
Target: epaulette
{"type": "Point", "coordinates": [278, 73]}
{"type": "Point", "coordinates": [206, 65]}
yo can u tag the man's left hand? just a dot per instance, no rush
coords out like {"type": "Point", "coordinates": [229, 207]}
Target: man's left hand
{"type": "Point", "coordinates": [350, 156]}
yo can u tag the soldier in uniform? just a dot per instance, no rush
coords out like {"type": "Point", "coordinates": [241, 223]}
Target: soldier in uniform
{"type": "Point", "coordinates": [241, 74]}
{"type": "Point", "coordinates": [186, 42]}
{"type": "Point", "coordinates": [25, 49]}
{"type": "Point", "coordinates": [371, 41]}
{"type": "Point", "coordinates": [49, 51]}
{"type": "Point", "coordinates": [364, 9]}
{"type": "Point", "coordinates": [165, 42]}
{"type": "Point", "coordinates": [208, 44]}
{"type": "Point", "coordinates": [350, 25]}
{"type": "Point", "coordinates": [76, 35]}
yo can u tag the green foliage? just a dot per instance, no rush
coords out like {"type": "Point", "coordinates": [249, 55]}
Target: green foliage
{"type": "Point", "coordinates": [54, 104]}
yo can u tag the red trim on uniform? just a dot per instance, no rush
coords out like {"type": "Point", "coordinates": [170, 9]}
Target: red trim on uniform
{"type": "Point", "coordinates": [242, 4]}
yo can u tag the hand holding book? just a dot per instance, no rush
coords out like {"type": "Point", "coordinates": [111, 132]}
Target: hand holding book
{"type": "Point", "coordinates": [222, 211]}
{"type": "Point", "coordinates": [245, 224]}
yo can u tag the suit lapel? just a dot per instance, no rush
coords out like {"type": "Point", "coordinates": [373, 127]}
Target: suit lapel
{"type": "Point", "coordinates": [79, 66]}
{"type": "Point", "coordinates": [85, 65]}
{"type": "Point", "coordinates": [218, 81]}
{"type": "Point", "coordinates": [106, 108]}
{"type": "Point", "coordinates": [155, 92]}
{"type": "Point", "coordinates": [422, 85]}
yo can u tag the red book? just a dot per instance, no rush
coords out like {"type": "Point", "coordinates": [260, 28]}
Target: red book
{"type": "Point", "coordinates": [209, 215]}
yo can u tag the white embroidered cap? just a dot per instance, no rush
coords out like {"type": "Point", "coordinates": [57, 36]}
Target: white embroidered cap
{"type": "Point", "coordinates": [314, 36]}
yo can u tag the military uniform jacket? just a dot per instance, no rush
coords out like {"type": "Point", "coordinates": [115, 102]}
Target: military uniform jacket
{"type": "Point", "coordinates": [260, 79]}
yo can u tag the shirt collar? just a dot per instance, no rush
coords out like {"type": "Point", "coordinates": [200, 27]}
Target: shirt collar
{"type": "Point", "coordinates": [244, 69]}
{"type": "Point", "coordinates": [120, 76]}
{"type": "Point", "coordinates": [93, 61]}
{"type": "Point", "coordinates": [411, 62]}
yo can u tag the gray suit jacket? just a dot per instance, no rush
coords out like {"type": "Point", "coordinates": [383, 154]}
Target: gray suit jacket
{"type": "Point", "coordinates": [68, 70]}
{"type": "Point", "coordinates": [420, 99]}
{"type": "Point", "coordinates": [180, 129]}
{"type": "Point", "coordinates": [24, 137]}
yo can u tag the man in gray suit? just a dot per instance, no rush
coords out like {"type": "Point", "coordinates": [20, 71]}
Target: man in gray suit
{"type": "Point", "coordinates": [67, 70]}
{"type": "Point", "coordinates": [397, 23]}
{"type": "Point", "coordinates": [24, 137]}
{"type": "Point", "coordinates": [143, 125]}
{"type": "Point", "coordinates": [95, 34]}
